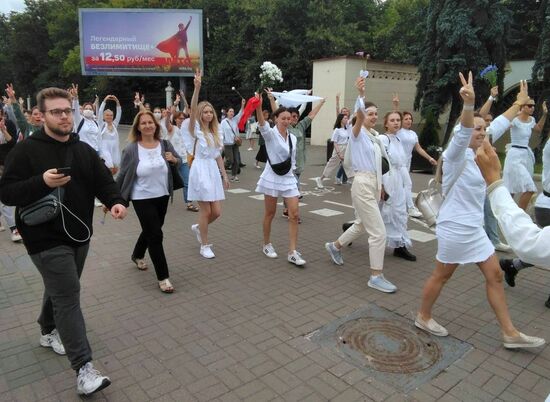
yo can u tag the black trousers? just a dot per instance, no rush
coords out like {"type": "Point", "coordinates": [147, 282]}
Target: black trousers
{"type": "Point", "coordinates": [61, 268]}
{"type": "Point", "coordinates": [151, 213]}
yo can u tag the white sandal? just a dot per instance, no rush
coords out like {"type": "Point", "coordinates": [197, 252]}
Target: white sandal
{"type": "Point", "coordinates": [165, 286]}
{"type": "Point", "coordinates": [140, 263]}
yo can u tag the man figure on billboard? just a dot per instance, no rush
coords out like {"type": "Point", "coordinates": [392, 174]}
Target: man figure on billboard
{"type": "Point", "coordinates": [176, 42]}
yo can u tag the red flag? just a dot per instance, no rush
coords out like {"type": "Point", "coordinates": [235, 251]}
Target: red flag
{"type": "Point", "coordinates": [251, 105]}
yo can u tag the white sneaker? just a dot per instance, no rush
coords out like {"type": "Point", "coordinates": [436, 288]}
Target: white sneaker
{"type": "Point", "coordinates": [338, 181]}
{"type": "Point", "coordinates": [15, 236]}
{"type": "Point", "coordinates": [380, 283]}
{"type": "Point", "coordinates": [196, 230]}
{"type": "Point", "coordinates": [505, 248]}
{"type": "Point", "coordinates": [53, 341]}
{"type": "Point", "coordinates": [296, 259]}
{"type": "Point", "coordinates": [522, 341]}
{"type": "Point", "coordinates": [90, 380]}
{"type": "Point", "coordinates": [206, 251]}
{"type": "Point", "coordinates": [319, 182]}
{"type": "Point", "coordinates": [98, 203]}
{"type": "Point", "coordinates": [414, 212]}
{"type": "Point", "coordinates": [269, 251]}
{"type": "Point", "coordinates": [430, 326]}
{"type": "Point", "coordinates": [250, 149]}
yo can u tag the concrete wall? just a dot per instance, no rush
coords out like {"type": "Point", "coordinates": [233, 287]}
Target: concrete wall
{"type": "Point", "coordinates": [334, 75]}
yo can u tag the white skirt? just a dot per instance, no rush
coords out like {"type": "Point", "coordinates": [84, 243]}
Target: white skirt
{"type": "Point", "coordinates": [518, 170]}
{"type": "Point", "coordinates": [459, 244]}
{"type": "Point", "coordinates": [274, 185]}
{"type": "Point", "coordinates": [205, 182]}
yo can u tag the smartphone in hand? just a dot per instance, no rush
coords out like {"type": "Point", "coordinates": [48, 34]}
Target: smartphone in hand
{"type": "Point", "coordinates": [64, 170]}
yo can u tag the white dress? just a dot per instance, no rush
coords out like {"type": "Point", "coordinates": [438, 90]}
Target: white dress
{"type": "Point", "coordinates": [542, 200]}
{"type": "Point", "coordinates": [461, 238]}
{"type": "Point", "coordinates": [205, 182]}
{"type": "Point", "coordinates": [520, 161]}
{"type": "Point", "coordinates": [408, 141]}
{"type": "Point", "coordinates": [396, 184]}
{"type": "Point", "coordinates": [277, 149]}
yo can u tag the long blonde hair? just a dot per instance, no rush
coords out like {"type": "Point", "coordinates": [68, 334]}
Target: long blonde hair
{"type": "Point", "coordinates": [212, 127]}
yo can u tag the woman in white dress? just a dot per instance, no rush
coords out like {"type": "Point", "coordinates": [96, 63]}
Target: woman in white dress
{"type": "Point", "coordinates": [340, 138]}
{"type": "Point", "coordinates": [277, 179]}
{"type": "Point", "coordinates": [251, 128]}
{"type": "Point", "coordinates": [461, 238]}
{"type": "Point", "coordinates": [520, 161]}
{"type": "Point", "coordinates": [397, 183]}
{"type": "Point", "coordinates": [207, 170]}
{"type": "Point", "coordinates": [108, 125]}
{"type": "Point", "coordinates": [409, 142]}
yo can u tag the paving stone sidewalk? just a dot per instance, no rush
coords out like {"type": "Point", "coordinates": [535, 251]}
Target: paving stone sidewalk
{"type": "Point", "coordinates": [237, 327]}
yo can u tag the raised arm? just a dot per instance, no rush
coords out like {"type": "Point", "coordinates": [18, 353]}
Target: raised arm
{"type": "Point", "coordinates": [138, 101]}
{"type": "Point", "coordinates": [316, 109]}
{"type": "Point", "coordinates": [360, 107]}
{"type": "Point", "coordinates": [189, 23]}
{"type": "Point", "coordinates": [259, 112]}
{"type": "Point", "coordinates": [486, 108]}
{"type": "Point", "coordinates": [271, 98]}
{"type": "Point", "coordinates": [337, 104]}
{"type": "Point", "coordinates": [100, 121]}
{"type": "Point", "coordinates": [116, 121]}
{"type": "Point", "coordinates": [540, 125]}
{"type": "Point", "coordinates": [195, 101]}
{"type": "Point", "coordinates": [238, 116]}
{"type": "Point", "coordinates": [395, 102]}
{"type": "Point", "coordinates": [76, 105]}
{"type": "Point", "coordinates": [19, 116]}
{"type": "Point", "coordinates": [497, 131]}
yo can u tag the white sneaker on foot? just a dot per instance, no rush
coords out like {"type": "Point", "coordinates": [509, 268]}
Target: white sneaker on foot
{"type": "Point", "coordinates": [430, 326]}
{"type": "Point", "coordinates": [505, 248]}
{"type": "Point", "coordinates": [206, 251]}
{"type": "Point", "coordinates": [90, 380]}
{"type": "Point", "coordinates": [380, 283]}
{"type": "Point", "coordinates": [269, 251]}
{"type": "Point", "coordinates": [338, 181]}
{"type": "Point", "coordinates": [15, 236]}
{"type": "Point", "coordinates": [196, 230]}
{"type": "Point", "coordinates": [52, 340]}
{"type": "Point", "coordinates": [319, 182]}
{"type": "Point", "coordinates": [522, 341]}
{"type": "Point", "coordinates": [296, 259]}
{"type": "Point", "coordinates": [335, 253]}
{"type": "Point", "coordinates": [414, 212]}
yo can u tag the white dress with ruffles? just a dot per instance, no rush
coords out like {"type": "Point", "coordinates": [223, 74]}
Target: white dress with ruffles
{"type": "Point", "coordinates": [205, 183]}
{"type": "Point", "coordinates": [520, 162]}
{"type": "Point", "coordinates": [277, 149]}
{"type": "Point", "coordinates": [396, 184]}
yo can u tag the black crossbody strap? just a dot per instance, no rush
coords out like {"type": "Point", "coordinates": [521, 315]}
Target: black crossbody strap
{"type": "Point", "coordinates": [289, 148]}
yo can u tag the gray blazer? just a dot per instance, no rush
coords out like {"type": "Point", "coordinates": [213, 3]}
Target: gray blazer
{"type": "Point", "coordinates": [128, 166]}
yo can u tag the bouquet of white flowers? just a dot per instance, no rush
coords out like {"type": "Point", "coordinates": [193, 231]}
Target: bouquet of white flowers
{"type": "Point", "coordinates": [270, 75]}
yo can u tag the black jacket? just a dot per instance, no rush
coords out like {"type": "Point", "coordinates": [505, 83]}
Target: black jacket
{"type": "Point", "coordinates": [22, 184]}
{"type": "Point", "coordinates": [8, 146]}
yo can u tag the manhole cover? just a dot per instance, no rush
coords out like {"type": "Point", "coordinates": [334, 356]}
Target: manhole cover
{"type": "Point", "coordinates": [389, 348]}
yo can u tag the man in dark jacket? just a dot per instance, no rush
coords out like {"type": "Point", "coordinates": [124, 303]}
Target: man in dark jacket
{"type": "Point", "coordinates": [59, 247]}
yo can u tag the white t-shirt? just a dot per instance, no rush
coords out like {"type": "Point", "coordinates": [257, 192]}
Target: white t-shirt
{"type": "Point", "coordinates": [340, 136]}
{"type": "Point", "coordinates": [362, 152]}
{"type": "Point", "coordinates": [151, 173]}
{"type": "Point", "coordinates": [520, 132]}
{"type": "Point", "coordinates": [408, 140]}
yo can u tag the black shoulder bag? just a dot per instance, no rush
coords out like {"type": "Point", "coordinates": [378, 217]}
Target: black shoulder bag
{"type": "Point", "coordinates": [177, 181]}
{"type": "Point", "coordinates": [48, 207]}
{"type": "Point", "coordinates": [284, 167]}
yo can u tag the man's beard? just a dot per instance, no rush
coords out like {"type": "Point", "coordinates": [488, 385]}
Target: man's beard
{"type": "Point", "coordinates": [59, 132]}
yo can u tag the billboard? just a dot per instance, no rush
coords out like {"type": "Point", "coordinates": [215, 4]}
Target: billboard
{"type": "Point", "coordinates": [140, 42]}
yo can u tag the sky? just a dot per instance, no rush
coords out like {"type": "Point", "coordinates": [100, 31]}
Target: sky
{"type": "Point", "coordinates": [11, 5]}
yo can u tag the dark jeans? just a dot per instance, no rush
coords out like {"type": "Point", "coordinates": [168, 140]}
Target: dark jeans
{"type": "Point", "coordinates": [61, 268]}
{"type": "Point", "coordinates": [151, 213]}
{"type": "Point", "coordinates": [233, 158]}
{"type": "Point", "coordinates": [341, 174]}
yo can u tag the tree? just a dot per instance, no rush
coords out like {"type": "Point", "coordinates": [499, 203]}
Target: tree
{"type": "Point", "coordinates": [525, 28]}
{"type": "Point", "coordinates": [461, 35]}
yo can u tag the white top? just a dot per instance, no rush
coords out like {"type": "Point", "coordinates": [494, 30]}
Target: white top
{"type": "Point", "coordinates": [542, 200]}
{"type": "Point", "coordinates": [277, 147]}
{"type": "Point", "coordinates": [89, 133]}
{"type": "Point", "coordinates": [230, 128]}
{"type": "Point", "coordinates": [151, 174]}
{"type": "Point", "coordinates": [408, 140]}
{"type": "Point", "coordinates": [340, 136]}
{"type": "Point", "coordinates": [464, 201]}
{"type": "Point", "coordinates": [116, 119]}
{"type": "Point", "coordinates": [529, 242]}
{"type": "Point", "coordinates": [520, 132]}
{"type": "Point", "coordinates": [176, 139]}
{"type": "Point", "coordinates": [362, 152]}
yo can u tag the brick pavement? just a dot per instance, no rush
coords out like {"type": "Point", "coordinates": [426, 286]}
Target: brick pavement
{"type": "Point", "coordinates": [234, 329]}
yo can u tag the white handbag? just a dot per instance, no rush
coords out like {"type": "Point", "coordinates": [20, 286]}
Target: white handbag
{"type": "Point", "coordinates": [429, 201]}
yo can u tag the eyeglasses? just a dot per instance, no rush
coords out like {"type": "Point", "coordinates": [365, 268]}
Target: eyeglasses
{"type": "Point", "coordinates": [59, 112]}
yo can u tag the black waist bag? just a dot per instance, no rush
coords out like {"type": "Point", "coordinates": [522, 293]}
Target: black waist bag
{"type": "Point", "coordinates": [284, 167]}
{"type": "Point", "coordinates": [44, 210]}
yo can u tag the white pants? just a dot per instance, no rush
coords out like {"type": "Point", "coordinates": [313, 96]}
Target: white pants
{"type": "Point", "coordinates": [365, 197]}
{"type": "Point", "coordinates": [334, 162]}
{"type": "Point", "coordinates": [9, 214]}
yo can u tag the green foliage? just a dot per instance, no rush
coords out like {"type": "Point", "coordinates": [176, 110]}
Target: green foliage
{"type": "Point", "coordinates": [525, 28]}
{"type": "Point", "coordinates": [429, 134]}
{"type": "Point", "coordinates": [461, 35]}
